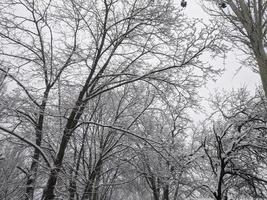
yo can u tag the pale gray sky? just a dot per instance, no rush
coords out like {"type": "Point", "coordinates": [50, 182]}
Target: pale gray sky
{"type": "Point", "coordinates": [235, 75]}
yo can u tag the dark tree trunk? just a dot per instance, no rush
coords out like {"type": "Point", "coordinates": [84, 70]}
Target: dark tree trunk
{"type": "Point", "coordinates": [73, 187]}
{"type": "Point", "coordinates": [165, 193]}
{"type": "Point", "coordinates": [90, 191]}
{"type": "Point", "coordinates": [30, 184]}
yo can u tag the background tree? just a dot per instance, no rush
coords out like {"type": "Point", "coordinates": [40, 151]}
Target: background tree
{"type": "Point", "coordinates": [234, 148]}
{"type": "Point", "coordinates": [12, 163]}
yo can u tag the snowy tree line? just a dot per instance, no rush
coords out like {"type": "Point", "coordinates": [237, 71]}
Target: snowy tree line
{"type": "Point", "coordinates": [96, 96]}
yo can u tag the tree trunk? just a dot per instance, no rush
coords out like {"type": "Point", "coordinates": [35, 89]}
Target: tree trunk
{"type": "Point", "coordinates": [72, 122]}
{"type": "Point", "coordinates": [221, 172]}
{"type": "Point", "coordinates": [72, 189]}
{"type": "Point", "coordinates": [73, 186]}
{"type": "Point", "coordinates": [155, 188]}
{"type": "Point", "coordinates": [261, 58]}
{"type": "Point", "coordinates": [30, 184]}
{"type": "Point", "coordinates": [90, 191]}
{"type": "Point", "coordinates": [165, 193]}
{"type": "Point", "coordinates": [73, 119]}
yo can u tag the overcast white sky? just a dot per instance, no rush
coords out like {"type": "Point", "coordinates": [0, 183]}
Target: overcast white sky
{"type": "Point", "coordinates": [231, 78]}
{"type": "Point", "coordinates": [234, 77]}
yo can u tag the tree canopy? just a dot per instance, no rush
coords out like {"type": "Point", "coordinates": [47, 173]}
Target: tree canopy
{"type": "Point", "coordinates": [96, 96]}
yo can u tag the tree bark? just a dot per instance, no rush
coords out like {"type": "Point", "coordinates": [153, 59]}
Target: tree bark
{"type": "Point", "coordinates": [30, 184]}
{"type": "Point", "coordinates": [73, 185]}
{"type": "Point", "coordinates": [261, 58]}
{"type": "Point", "coordinates": [90, 191]}
{"type": "Point", "coordinates": [165, 193]}
{"type": "Point", "coordinates": [76, 113]}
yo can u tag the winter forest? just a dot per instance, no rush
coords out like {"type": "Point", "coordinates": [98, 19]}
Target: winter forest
{"type": "Point", "coordinates": [100, 100]}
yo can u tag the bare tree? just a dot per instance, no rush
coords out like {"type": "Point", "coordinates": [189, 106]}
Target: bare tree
{"type": "Point", "coordinates": [234, 148]}
{"type": "Point", "coordinates": [164, 166]}
{"type": "Point", "coordinates": [36, 56]}
{"type": "Point", "coordinates": [63, 55]}
{"type": "Point", "coordinates": [12, 158]}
